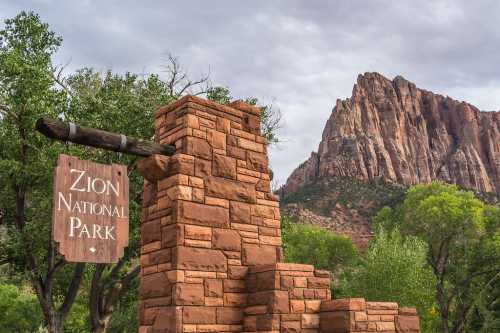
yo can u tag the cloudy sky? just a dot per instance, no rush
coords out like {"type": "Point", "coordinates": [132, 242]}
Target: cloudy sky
{"type": "Point", "coordinates": [303, 55]}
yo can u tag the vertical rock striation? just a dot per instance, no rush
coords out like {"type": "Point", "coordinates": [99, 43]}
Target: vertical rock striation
{"type": "Point", "coordinates": [394, 131]}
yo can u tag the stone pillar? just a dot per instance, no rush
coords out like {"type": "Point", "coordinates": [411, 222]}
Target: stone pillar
{"type": "Point", "coordinates": [211, 240]}
{"type": "Point", "coordinates": [208, 215]}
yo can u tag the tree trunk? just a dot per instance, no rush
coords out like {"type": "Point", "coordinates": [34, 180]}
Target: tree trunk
{"type": "Point", "coordinates": [55, 324]}
{"type": "Point", "coordinates": [102, 325]}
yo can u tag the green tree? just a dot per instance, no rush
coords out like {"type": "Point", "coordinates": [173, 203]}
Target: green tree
{"type": "Point", "coordinates": [26, 93]}
{"type": "Point", "coordinates": [19, 310]}
{"type": "Point", "coordinates": [270, 116]}
{"type": "Point", "coordinates": [123, 104]}
{"type": "Point", "coordinates": [308, 244]}
{"type": "Point", "coordinates": [462, 236]}
{"type": "Point", "coordinates": [394, 269]}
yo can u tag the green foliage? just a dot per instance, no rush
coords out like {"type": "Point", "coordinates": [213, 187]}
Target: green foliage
{"type": "Point", "coordinates": [26, 93]}
{"type": "Point", "coordinates": [366, 198]}
{"type": "Point", "coordinates": [126, 319]}
{"type": "Point", "coordinates": [394, 269]}
{"type": "Point", "coordinates": [462, 236]}
{"type": "Point", "coordinates": [220, 95]}
{"type": "Point", "coordinates": [270, 117]}
{"type": "Point", "coordinates": [19, 310]}
{"type": "Point", "coordinates": [308, 244]}
{"type": "Point", "coordinates": [29, 89]}
{"type": "Point", "coordinates": [78, 318]}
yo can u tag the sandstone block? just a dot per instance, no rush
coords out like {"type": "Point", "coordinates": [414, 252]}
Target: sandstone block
{"type": "Point", "coordinates": [150, 231]}
{"type": "Point", "coordinates": [407, 324]}
{"type": "Point", "coordinates": [313, 306]}
{"type": "Point", "coordinates": [223, 125]}
{"type": "Point", "coordinates": [290, 327]}
{"type": "Point", "coordinates": [256, 161]}
{"type": "Point", "coordinates": [189, 294]}
{"type": "Point", "coordinates": [202, 168]}
{"type": "Point", "coordinates": [250, 145]}
{"type": "Point", "coordinates": [310, 320]}
{"type": "Point", "coordinates": [155, 285]}
{"type": "Point", "coordinates": [200, 259]}
{"type": "Point", "coordinates": [381, 305]}
{"type": "Point", "coordinates": [317, 282]}
{"type": "Point", "coordinates": [168, 320]}
{"type": "Point", "coordinates": [224, 166]}
{"type": "Point", "coordinates": [236, 152]}
{"type": "Point", "coordinates": [214, 301]}
{"type": "Point", "coordinates": [253, 254]}
{"type": "Point", "coordinates": [198, 147]}
{"type": "Point", "coordinates": [229, 315]}
{"type": "Point", "coordinates": [159, 257]}
{"type": "Point", "coordinates": [385, 326]}
{"type": "Point", "coordinates": [297, 306]}
{"type": "Point", "coordinates": [154, 167]}
{"type": "Point", "coordinates": [198, 195]}
{"type": "Point", "coordinates": [268, 322]}
{"type": "Point", "coordinates": [235, 299]}
{"type": "Point", "coordinates": [337, 322]}
{"type": "Point", "coordinates": [180, 192]}
{"type": "Point", "coordinates": [199, 315]}
{"type": "Point", "coordinates": [172, 235]}
{"type": "Point", "coordinates": [195, 213]}
{"type": "Point", "coordinates": [360, 316]}
{"type": "Point", "coordinates": [280, 302]}
{"type": "Point", "coordinates": [237, 272]}
{"type": "Point", "coordinates": [230, 189]}
{"type": "Point", "coordinates": [228, 240]}
{"type": "Point", "coordinates": [216, 139]}
{"type": "Point", "coordinates": [197, 232]}
{"type": "Point", "coordinates": [239, 211]}
{"type": "Point", "coordinates": [407, 311]}
{"type": "Point", "coordinates": [213, 288]}
{"type": "Point", "coordinates": [347, 304]}
{"type": "Point", "coordinates": [181, 164]}
{"type": "Point", "coordinates": [234, 286]}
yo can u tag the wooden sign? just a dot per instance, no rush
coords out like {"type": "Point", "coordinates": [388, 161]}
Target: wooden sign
{"type": "Point", "coordinates": [90, 213]}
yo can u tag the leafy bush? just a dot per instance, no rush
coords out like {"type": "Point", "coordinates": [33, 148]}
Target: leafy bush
{"type": "Point", "coordinates": [394, 269]}
{"type": "Point", "coordinates": [462, 235]}
{"type": "Point", "coordinates": [19, 310]}
{"type": "Point", "coordinates": [308, 244]}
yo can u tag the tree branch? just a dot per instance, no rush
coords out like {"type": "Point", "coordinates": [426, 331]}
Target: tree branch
{"type": "Point", "coordinates": [72, 290]}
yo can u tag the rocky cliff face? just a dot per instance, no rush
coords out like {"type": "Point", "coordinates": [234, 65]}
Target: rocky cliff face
{"type": "Point", "coordinates": [396, 132]}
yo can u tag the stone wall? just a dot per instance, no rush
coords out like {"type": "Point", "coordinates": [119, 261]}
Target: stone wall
{"type": "Point", "coordinates": [211, 239]}
{"type": "Point", "coordinates": [285, 297]}
{"type": "Point", "coordinates": [209, 214]}
{"type": "Point", "coordinates": [357, 315]}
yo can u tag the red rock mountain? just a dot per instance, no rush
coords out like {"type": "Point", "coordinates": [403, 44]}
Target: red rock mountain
{"type": "Point", "coordinates": [396, 132]}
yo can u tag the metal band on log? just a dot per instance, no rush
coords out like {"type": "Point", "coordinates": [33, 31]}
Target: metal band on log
{"type": "Point", "coordinates": [63, 131]}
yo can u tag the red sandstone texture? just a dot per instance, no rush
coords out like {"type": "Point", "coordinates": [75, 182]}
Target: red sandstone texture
{"type": "Point", "coordinates": [397, 132]}
{"type": "Point", "coordinates": [211, 239]}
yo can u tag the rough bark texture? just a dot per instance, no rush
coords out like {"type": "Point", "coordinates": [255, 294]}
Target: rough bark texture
{"type": "Point", "coordinates": [397, 132]}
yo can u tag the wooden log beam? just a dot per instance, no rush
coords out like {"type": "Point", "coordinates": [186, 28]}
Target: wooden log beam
{"type": "Point", "coordinates": [63, 131]}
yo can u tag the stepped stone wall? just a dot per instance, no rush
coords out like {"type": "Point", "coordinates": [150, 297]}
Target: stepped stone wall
{"type": "Point", "coordinates": [211, 256]}
{"type": "Point", "coordinates": [357, 315]}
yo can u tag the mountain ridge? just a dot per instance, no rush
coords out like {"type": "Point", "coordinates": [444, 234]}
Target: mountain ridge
{"type": "Point", "coordinates": [394, 131]}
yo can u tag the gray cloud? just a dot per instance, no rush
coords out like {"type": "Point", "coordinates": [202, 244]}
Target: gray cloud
{"type": "Point", "coordinates": [302, 54]}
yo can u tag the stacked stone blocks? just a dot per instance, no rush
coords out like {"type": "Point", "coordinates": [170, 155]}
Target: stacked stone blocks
{"type": "Point", "coordinates": [285, 298]}
{"type": "Point", "coordinates": [357, 315]}
{"type": "Point", "coordinates": [211, 256]}
{"type": "Point", "coordinates": [208, 216]}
